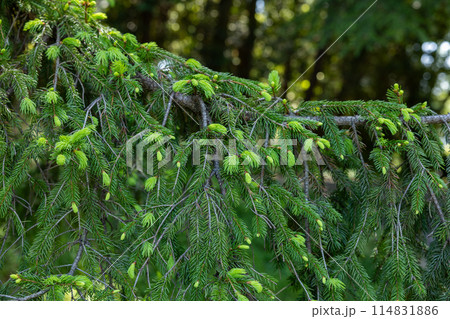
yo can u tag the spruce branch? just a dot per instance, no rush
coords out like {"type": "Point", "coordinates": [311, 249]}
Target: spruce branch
{"type": "Point", "coordinates": [359, 120]}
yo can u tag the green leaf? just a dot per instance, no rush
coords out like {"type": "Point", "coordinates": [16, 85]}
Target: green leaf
{"type": "Point", "coordinates": [307, 146]}
{"type": "Point", "coordinates": [53, 52]}
{"type": "Point", "coordinates": [236, 273]}
{"type": "Point", "coordinates": [231, 163]}
{"type": "Point", "coordinates": [27, 106]}
{"type": "Point", "coordinates": [33, 25]}
{"type": "Point", "coordinates": [51, 97]}
{"type": "Point", "coordinates": [274, 80]}
{"type": "Point", "coordinates": [251, 159]}
{"type": "Point", "coordinates": [148, 219]}
{"type": "Point", "coordinates": [71, 42]}
{"type": "Point", "coordinates": [131, 270]}
{"type": "Point", "coordinates": [106, 179]}
{"type": "Point", "coordinates": [150, 183]}
{"type": "Point", "coordinates": [206, 88]}
{"type": "Point", "coordinates": [61, 160]}
{"type": "Point", "coordinates": [256, 285]}
{"type": "Point", "coordinates": [147, 249]}
{"type": "Point", "coordinates": [99, 16]}
{"type": "Point", "coordinates": [193, 64]}
{"type": "Point", "coordinates": [179, 85]}
{"type": "Point", "coordinates": [217, 128]}
{"type": "Point", "coordinates": [82, 159]}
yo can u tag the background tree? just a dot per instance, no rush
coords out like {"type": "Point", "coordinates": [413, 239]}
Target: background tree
{"type": "Point", "coordinates": [396, 41]}
{"type": "Point", "coordinates": [366, 220]}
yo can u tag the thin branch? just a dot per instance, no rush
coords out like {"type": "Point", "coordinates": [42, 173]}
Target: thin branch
{"type": "Point", "coordinates": [169, 105]}
{"type": "Point", "coordinates": [77, 258]}
{"type": "Point", "coordinates": [358, 120]}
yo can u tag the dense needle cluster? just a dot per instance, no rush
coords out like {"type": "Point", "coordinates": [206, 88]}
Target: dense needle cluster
{"type": "Point", "coordinates": [367, 219]}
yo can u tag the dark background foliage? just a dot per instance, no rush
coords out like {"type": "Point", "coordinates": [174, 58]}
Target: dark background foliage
{"type": "Point", "coordinates": [402, 41]}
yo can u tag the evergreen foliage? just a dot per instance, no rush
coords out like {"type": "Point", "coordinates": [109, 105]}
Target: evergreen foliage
{"type": "Point", "coordinates": [369, 221]}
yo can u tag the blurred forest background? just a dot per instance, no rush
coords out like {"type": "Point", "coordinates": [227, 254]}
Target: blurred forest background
{"type": "Point", "coordinates": [404, 41]}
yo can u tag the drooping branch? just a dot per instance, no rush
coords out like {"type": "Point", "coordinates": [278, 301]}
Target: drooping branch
{"type": "Point", "coordinates": [191, 102]}
{"type": "Point", "coordinates": [70, 273]}
{"type": "Point", "coordinates": [180, 99]}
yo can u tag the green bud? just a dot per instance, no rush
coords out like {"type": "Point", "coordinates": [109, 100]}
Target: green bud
{"type": "Point", "coordinates": [248, 178]}
{"type": "Point", "coordinates": [342, 157]}
{"type": "Point", "coordinates": [256, 285]}
{"type": "Point", "coordinates": [383, 169]}
{"type": "Point", "coordinates": [108, 196]}
{"type": "Point", "coordinates": [266, 96]}
{"type": "Point", "coordinates": [243, 247]}
{"type": "Point", "coordinates": [116, 74]}
{"type": "Point", "coordinates": [291, 159]}
{"type": "Point", "coordinates": [219, 128]}
{"type": "Point", "coordinates": [269, 159]}
{"type": "Point", "coordinates": [136, 90]}
{"type": "Point", "coordinates": [57, 121]}
{"type": "Point", "coordinates": [324, 280]}
{"type": "Point", "coordinates": [122, 237]}
{"type": "Point", "coordinates": [406, 115]}
{"type": "Point", "coordinates": [74, 207]}
{"type": "Point", "coordinates": [272, 84]}
{"type": "Point", "coordinates": [178, 164]}
{"type": "Point", "coordinates": [319, 222]}
{"type": "Point", "coordinates": [258, 235]}
{"type": "Point", "coordinates": [215, 77]}
{"type": "Point", "coordinates": [305, 258]}
{"type": "Point", "coordinates": [150, 183]}
{"type": "Point", "coordinates": [159, 156]}
{"type": "Point", "coordinates": [116, 291]}
{"type": "Point", "coordinates": [131, 270]}
{"type": "Point", "coordinates": [106, 179]}
{"type": "Point", "coordinates": [241, 297]}
{"type": "Point", "coordinates": [42, 141]}
{"type": "Point", "coordinates": [194, 82]}
{"type": "Point", "coordinates": [18, 281]}
{"type": "Point", "coordinates": [396, 86]}
{"type": "Point", "coordinates": [320, 144]}
{"type": "Point", "coordinates": [248, 240]}
{"type": "Point", "coordinates": [14, 276]}
{"type": "Point", "coordinates": [196, 284]}
{"type": "Point", "coordinates": [79, 283]}
{"type": "Point", "coordinates": [441, 186]}
{"type": "Point", "coordinates": [401, 92]}
{"type": "Point", "coordinates": [60, 160]}
{"type": "Point", "coordinates": [284, 101]}
{"type": "Point", "coordinates": [2, 51]}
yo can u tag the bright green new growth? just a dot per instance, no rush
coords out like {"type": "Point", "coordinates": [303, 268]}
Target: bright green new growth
{"type": "Point", "coordinates": [367, 219]}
